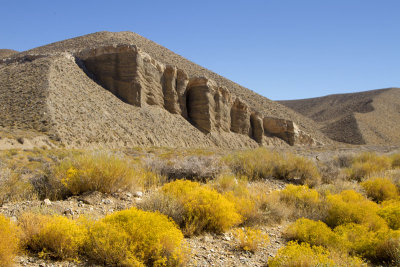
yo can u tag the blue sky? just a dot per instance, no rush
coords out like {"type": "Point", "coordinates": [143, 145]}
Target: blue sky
{"type": "Point", "coordinates": [281, 49]}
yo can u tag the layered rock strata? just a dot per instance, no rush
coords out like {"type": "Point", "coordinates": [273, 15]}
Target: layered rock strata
{"type": "Point", "coordinates": [137, 79]}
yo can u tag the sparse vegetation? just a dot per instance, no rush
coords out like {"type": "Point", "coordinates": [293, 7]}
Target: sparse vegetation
{"type": "Point", "coordinates": [315, 233]}
{"type": "Point", "coordinates": [380, 189]}
{"type": "Point", "coordinates": [136, 238]}
{"type": "Point", "coordinates": [103, 172]}
{"type": "Point", "coordinates": [248, 198]}
{"type": "Point", "coordinates": [334, 222]}
{"type": "Point", "coordinates": [54, 236]}
{"type": "Point", "coordinates": [390, 211]}
{"type": "Point", "coordinates": [351, 207]}
{"type": "Point", "coordinates": [295, 254]}
{"type": "Point", "coordinates": [205, 209]}
{"type": "Point", "coordinates": [295, 201]}
{"type": "Point", "coordinates": [261, 163]}
{"type": "Point", "coordinates": [9, 241]}
{"type": "Point", "coordinates": [14, 188]}
{"type": "Point", "coordinates": [250, 239]}
{"type": "Point", "coordinates": [366, 164]}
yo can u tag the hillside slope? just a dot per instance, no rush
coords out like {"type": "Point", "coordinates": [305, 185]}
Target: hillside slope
{"type": "Point", "coordinates": [369, 117]}
{"type": "Point", "coordinates": [7, 52]}
{"type": "Point", "coordinates": [75, 108]}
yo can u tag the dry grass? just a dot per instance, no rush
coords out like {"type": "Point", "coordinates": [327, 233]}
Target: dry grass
{"type": "Point", "coordinates": [104, 172]}
{"type": "Point", "coordinates": [295, 202]}
{"type": "Point", "coordinates": [193, 167]}
{"type": "Point", "coordinates": [261, 163]}
{"type": "Point", "coordinates": [366, 164]}
{"type": "Point", "coordinates": [14, 188]}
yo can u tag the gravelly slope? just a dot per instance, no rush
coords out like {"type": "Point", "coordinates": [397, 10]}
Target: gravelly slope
{"type": "Point", "coordinates": [255, 101]}
{"type": "Point", "coordinates": [370, 117]}
{"type": "Point", "coordinates": [7, 52]}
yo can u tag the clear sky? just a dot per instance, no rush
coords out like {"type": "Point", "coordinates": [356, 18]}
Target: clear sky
{"type": "Point", "coordinates": [281, 49]}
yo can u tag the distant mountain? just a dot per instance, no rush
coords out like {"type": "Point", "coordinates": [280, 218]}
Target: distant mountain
{"type": "Point", "coordinates": [370, 117]}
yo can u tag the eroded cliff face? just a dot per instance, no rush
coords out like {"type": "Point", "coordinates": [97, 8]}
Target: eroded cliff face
{"type": "Point", "coordinates": [139, 80]}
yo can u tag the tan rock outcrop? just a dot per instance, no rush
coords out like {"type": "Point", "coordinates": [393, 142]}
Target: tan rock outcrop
{"type": "Point", "coordinates": [200, 103]}
{"type": "Point", "coordinates": [223, 103]}
{"type": "Point", "coordinates": [240, 117]}
{"type": "Point", "coordinates": [182, 80]}
{"type": "Point", "coordinates": [171, 101]}
{"type": "Point", "coordinates": [115, 68]}
{"type": "Point", "coordinates": [140, 80]}
{"type": "Point", "coordinates": [286, 130]}
{"type": "Point", "coordinates": [127, 72]}
{"type": "Point", "coordinates": [257, 128]}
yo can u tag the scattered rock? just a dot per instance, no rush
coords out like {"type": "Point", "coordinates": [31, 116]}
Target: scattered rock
{"type": "Point", "coordinates": [47, 202]}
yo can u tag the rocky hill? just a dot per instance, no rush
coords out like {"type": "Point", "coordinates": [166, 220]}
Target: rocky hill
{"type": "Point", "coordinates": [7, 52]}
{"type": "Point", "coordinates": [120, 89]}
{"type": "Point", "coordinates": [370, 117]}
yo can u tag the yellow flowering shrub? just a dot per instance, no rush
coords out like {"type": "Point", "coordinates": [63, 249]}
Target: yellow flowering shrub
{"type": "Point", "coordinates": [53, 236]}
{"type": "Point", "coordinates": [315, 233]}
{"type": "Point", "coordinates": [250, 239]}
{"type": "Point", "coordinates": [367, 164]}
{"type": "Point", "coordinates": [9, 241]}
{"type": "Point", "coordinates": [302, 195]}
{"type": "Point", "coordinates": [205, 209]}
{"type": "Point", "coordinates": [351, 207]}
{"type": "Point", "coordinates": [380, 246]}
{"type": "Point", "coordinates": [380, 189]}
{"type": "Point", "coordinates": [390, 212]}
{"type": "Point", "coordinates": [102, 171]}
{"type": "Point", "coordinates": [136, 238]}
{"type": "Point", "coordinates": [304, 255]}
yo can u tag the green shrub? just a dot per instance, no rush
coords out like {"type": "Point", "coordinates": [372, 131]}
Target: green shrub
{"type": "Point", "coordinates": [261, 163]}
{"type": "Point", "coordinates": [351, 207]}
{"type": "Point", "coordinates": [53, 236]}
{"type": "Point", "coordinates": [380, 189]}
{"type": "Point", "coordinates": [102, 171]}
{"type": "Point", "coordinates": [136, 238]}
{"type": "Point", "coordinates": [250, 239]}
{"type": "Point", "coordinates": [205, 209]}
{"type": "Point", "coordinates": [316, 233]}
{"type": "Point", "coordinates": [366, 164]}
{"type": "Point", "coordinates": [304, 255]}
{"type": "Point", "coordinates": [390, 212]}
{"type": "Point", "coordinates": [9, 241]}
